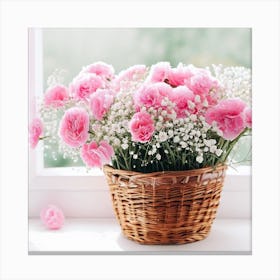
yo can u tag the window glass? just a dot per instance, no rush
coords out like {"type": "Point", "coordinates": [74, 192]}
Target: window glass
{"type": "Point", "coordinates": [68, 50]}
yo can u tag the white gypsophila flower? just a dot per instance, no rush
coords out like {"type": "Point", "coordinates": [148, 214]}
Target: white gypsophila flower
{"type": "Point", "coordinates": [124, 146]}
{"type": "Point", "coordinates": [116, 142]}
{"type": "Point", "coordinates": [199, 159]}
{"type": "Point", "coordinates": [197, 149]}
{"type": "Point", "coordinates": [198, 133]}
{"type": "Point", "coordinates": [162, 136]}
{"type": "Point", "coordinates": [193, 132]}
{"type": "Point", "coordinates": [153, 151]}
{"type": "Point", "coordinates": [158, 157]}
{"type": "Point", "coordinates": [176, 139]}
{"type": "Point", "coordinates": [213, 149]}
{"type": "Point", "coordinates": [183, 144]}
{"type": "Point", "coordinates": [205, 103]}
{"type": "Point", "coordinates": [236, 82]}
{"type": "Point", "coordinates": [159, 126]}
{"type": "Point", "coordinates": [170, 133]}
{"type": "Point", "coordinates": [213, 141]}
{"type": "Point", "coordinates": [135, 156]}
{"type": "Point", "coordinates": [197, 98]}
{"type": "Point", "coordinates": [219, 152]}
{"type": "Point", "coordinates": [191, 105]}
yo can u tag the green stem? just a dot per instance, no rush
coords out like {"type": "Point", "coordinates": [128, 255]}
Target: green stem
{"type": "Point", "coordinates": [232, 144]}
{"type": "Point", "coordinates": [125, 160]}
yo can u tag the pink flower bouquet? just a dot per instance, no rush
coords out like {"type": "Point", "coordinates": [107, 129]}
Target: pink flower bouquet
{"type": "Point", "coordinates": [147, 119]}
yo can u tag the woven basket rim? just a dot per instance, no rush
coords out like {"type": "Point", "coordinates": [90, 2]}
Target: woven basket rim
{"type": "Point", "coordinates": [192, 172]}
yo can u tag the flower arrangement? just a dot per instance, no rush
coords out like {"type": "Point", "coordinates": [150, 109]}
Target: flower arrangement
{"type": "Point", "coordinates": [146, 119]}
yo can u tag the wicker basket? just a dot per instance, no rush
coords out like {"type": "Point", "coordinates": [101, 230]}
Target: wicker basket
{"type": "Point", "coordinates": [173, 207]}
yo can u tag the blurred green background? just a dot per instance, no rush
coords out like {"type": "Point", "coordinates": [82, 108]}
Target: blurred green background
{"type": "Point", "coordinates": [72, 48]}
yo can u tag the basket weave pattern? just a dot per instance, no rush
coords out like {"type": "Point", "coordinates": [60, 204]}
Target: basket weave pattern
{"type": "Point", "coordinates": [173, 207]}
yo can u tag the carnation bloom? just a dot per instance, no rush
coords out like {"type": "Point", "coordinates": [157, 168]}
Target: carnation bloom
{"type": "Point", "coordinates": [204, 85]}
{"type": "Point", "coordinates": [96, 156]}
{"type": "Point", "coordinates": [229, 117]}
{"type": "Point", "coordinates": [132, 73]}
{"type": "Point", "coordinates": [159, 72]}
{"type": "Point", "coordinates": [74, 127]}
{"type": "Point", "coordinates": [35, 131]}
{"type": "Point", "coordinates": [141, 127]}
{"type": "Point", "coordinates": [182, 96]}
{"type": "Point", "coordinates": [56, 96]}
{"type": "Point", "coordinates": [248, 117]}
{"type": "Point", "coordinates": [151, 95]}
{"type": "Point", "coordinates": [106, 150]}
{"type": "Point", "coordinates": [52, 217]}
{"type": "Point", "coordinates": [101, 69]}
{"type": "Point", "coordinates": [85, 84]}
{"type": "Point", "coordinates": [100, 103]}
{"type": "Point", "coordinates": [178, 76]}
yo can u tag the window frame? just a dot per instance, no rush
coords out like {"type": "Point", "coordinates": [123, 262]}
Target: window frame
{"type": "Point", "coordinates": [79, 179]}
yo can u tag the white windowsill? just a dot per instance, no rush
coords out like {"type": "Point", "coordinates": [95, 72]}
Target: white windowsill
{"type": "Point", "coordinates": [103, 236]}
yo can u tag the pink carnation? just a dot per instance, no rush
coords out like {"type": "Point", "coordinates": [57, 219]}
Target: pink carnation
{"type": "Point", "coordinates": [56, 96]}
{"type": "Point", "coordinates": [182, 96]}
{"type": "Point", "coordinates": [101, 69]}
{"type": "Point", "coordinates": [96, 156]}
{"type": "Point", "coordinates": [52, 217]}
{"type": "Point", "coordinates": [85, 84]}
{"type": "Point", "coordinates": [100, 102]}
{"type": "Point", "coordinates": [141, 127]}
{"type": "Point", "coordinates": [106, 150]}
{"type": "Point", "coordinates": [229, 116]}
{"type": "Point", "coordinates": [248, 117]}
{"type": "Point", "coordinates": [204, 85]}
{"type": "Point", "coordinates": [132, 73]}
{"type": "Point", "coordinates": [178, 76]}
{"type": "Point", "coordinates": [151, 95]}
{"type": "Point", "coordinates": [159, 72]}
{"type": "Point", "coordinates": [35, 131]}
{"type": "Point", "coordinates": [74, 127]}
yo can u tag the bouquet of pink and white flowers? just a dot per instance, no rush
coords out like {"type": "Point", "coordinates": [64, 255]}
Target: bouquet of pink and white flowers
{"type": "Point", "coordinates": [147, 119]}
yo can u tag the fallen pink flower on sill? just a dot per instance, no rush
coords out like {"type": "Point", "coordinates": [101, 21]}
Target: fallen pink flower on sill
{"type": "Point", "coordinates": [52, 217]}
